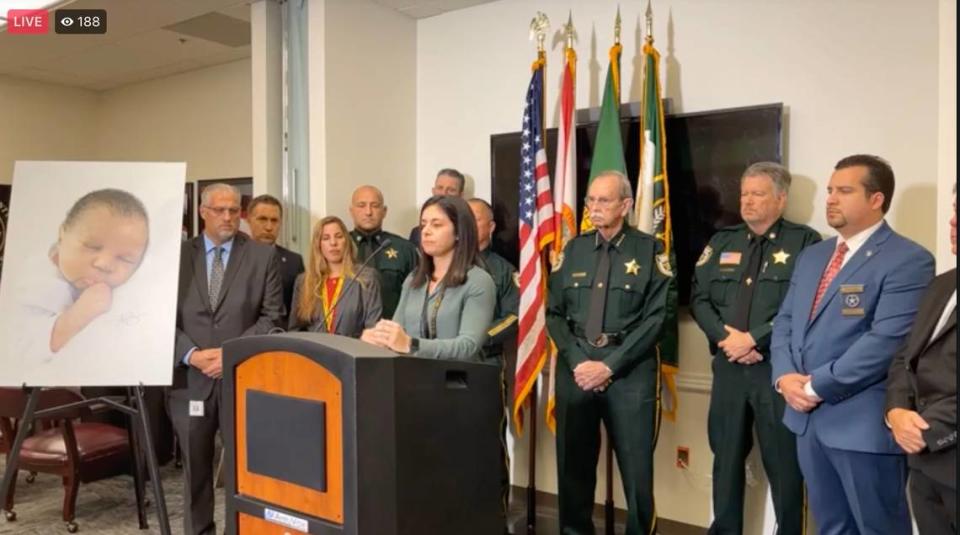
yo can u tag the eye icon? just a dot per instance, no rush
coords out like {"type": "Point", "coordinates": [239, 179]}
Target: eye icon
{"type": "Point", "coordinates": [66, 21]}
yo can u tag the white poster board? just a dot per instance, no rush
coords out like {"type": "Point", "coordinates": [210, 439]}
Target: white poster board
{"type": "Point", "coordinates": [89, 289]}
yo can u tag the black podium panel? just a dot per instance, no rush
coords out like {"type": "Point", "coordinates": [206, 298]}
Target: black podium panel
{"type": "Point", "coordinates": [445, 448]}
{"type": "Point", "coordinates": [420, 442]}
{"type": "Point", "coordinates": [289, 428]}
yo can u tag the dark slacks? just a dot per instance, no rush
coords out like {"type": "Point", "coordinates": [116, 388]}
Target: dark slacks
{"type": "Point", "coordinates": [197, 435]}
{"type": "Point", "coordinates": [742, 398]}
{"type": "Point", "coordinates": [494, 356]}
{"type": "Point", "coordinates": [629, 409]}
{"type": "Point", "coordinates": [934, 505]}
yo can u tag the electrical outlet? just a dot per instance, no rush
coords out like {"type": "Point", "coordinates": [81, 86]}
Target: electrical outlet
{"type": "Point", "coordinates": [683, 457]}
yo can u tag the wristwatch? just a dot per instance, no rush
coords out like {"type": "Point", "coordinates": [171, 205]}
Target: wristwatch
{"type": "Point", "coordinates": [414, 345]}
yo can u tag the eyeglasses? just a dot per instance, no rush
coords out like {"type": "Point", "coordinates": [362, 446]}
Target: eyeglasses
{"type": "Point", "coordinates": [602, 202]}
{"type": "Point", "coordinates": [221, 210]}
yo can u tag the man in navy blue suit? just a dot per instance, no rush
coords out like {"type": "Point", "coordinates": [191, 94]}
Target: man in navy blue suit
{"type": "Point", "coordinates": [851, 303]}
{"type": "Point", "coordinates": [265, 217]}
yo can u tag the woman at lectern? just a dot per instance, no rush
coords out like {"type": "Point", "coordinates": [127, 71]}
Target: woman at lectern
{"type": "Point", "coordinates": [447, 304]}
{"type": "Point", "coordinates": [329, 296]}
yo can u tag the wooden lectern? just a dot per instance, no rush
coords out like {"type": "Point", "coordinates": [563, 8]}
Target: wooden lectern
{"type": "Point", "coordinates": [329, 435]}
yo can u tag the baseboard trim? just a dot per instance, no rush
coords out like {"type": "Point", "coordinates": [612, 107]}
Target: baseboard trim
{"type": "Point", "coordinates": [547, 506]}
{"type": "Point", "coordinates": [700, 383]}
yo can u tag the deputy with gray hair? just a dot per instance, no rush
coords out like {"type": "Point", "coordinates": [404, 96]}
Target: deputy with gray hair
{"type": "Point", "coordinates": [605, 312]}
{"type": "Point", "coordinates": [739, 282]}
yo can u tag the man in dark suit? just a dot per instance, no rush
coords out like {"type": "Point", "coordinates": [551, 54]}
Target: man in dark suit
{"type": "Point", "coordinates": [265, 217]}
{"type": "Point", "coordinates": [448, 182]}
{"type": "Point", "coordinates": [229, 287]}
{"type": "Point", "coordinates": [922, 402]}
{"type": "Point", "coordinates": [851, 302]}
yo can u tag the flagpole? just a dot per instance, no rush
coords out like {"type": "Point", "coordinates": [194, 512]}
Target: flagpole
{"type": "Point", "coordinates": [608, 509]}
{"type": "Point", "coordinates": [538, 28]}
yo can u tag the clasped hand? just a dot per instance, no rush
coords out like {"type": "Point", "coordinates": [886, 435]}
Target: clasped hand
{"type": "Point", "coordinates": [592, 375]}
{"type": "Point", "coordinates": [388, 334]}
{"type": "Point", "coordinates": [740, 347]}
{"type": "Point", "coordinates": [908, 427]}
{"type": "Point", "coordinates": [208, 361]}
{"type": "Point", "coordinates": [792, 386]}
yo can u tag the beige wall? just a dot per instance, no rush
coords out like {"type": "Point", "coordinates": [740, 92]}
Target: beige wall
{"type": "Point", "coordinates": [849, 85]}
{"type": "Point", "coordinates": [45, 122]}
{"type": "Point", "coordinates": [200, 117]}
{"type": "Point", "coordinates": [947, 132]}
{"type": "Point", "coordinates": [362, 105]}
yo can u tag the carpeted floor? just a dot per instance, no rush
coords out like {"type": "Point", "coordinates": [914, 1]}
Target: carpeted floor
{"type": "Point", "coordinates": [109, 508]}
{"type": "Point", "coordinates": [104, 507]}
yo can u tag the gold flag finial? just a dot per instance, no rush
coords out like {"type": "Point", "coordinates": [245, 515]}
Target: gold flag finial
{"type": "Point", "coordinates": [538, 29]}
{"type": "Point", "coordinates": [616, 27]}
{"type": "Point", "coordinates": [649, 23]}
{"type": "Point", "coordinates": [569, 32]}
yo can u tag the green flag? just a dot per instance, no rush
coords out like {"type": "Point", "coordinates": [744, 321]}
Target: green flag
{"type": "Point", "coordinates": [653, 215]}
{"type": "Point", "coordinates": [608, 145]}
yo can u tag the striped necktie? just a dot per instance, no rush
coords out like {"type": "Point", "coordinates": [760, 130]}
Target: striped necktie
{"type": "Point", "coordinates": [831, 273]}
{"type": "Point", "coordinates": [216, 276]}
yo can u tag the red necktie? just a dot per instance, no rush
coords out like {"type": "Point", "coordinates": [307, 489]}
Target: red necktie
{"type": "Point", "coordinates": [829, 274]}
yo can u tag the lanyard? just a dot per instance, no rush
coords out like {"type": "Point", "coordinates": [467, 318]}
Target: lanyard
{"type": "Point", "coordinates": [428, 321]}
{"type": "Point", "coordinates": [329, 300]}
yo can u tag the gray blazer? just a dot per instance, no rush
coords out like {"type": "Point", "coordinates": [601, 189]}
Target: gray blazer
{"type": "Point", "coordinates": [463, 318]}
{"type": "Point", "coordinates": [251, 302]}
{"type": "Point", "coordinates": [359, 308]}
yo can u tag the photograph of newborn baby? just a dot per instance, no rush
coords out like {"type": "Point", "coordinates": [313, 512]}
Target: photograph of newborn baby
{"type": "Point", "coordinates": [91, 301]}
{"type": "Point", "coordinates": [100, 245]}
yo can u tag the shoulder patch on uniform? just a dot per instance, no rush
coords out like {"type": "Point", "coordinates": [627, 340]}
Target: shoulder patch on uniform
{"type": "Point", "coordinates": [516, 279]}
{"type": "Point", "coordinates": [663, 265]}
{"type": "Point", "coordinates": [557, 262]}
{"type": "Point", "coordinates": [705, 256]}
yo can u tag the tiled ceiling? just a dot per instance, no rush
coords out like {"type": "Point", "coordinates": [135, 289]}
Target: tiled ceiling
{"type": "Point", "coordinates": [145, 39]}
{"type": "Point", "coordinates": [149, 39]}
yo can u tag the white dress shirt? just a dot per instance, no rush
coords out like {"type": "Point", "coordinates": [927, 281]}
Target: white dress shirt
{"type": "Point", "coordinates": [945, 315]}
{"type": "Point", "coordinates": [854, 243]}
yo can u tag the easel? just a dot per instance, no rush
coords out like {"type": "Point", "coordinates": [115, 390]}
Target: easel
{"type": "Point", "coordinates": [136, 412]}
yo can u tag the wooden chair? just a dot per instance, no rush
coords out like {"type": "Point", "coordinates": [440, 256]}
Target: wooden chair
{"type": "Point", "coordinates": [76, 451]}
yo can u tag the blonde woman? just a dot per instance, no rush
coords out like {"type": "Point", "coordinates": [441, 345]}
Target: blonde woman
{"type": "Point", "coordinates": [324, 298]}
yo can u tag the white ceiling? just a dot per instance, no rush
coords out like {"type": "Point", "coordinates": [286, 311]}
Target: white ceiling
{"type": "Point", "coordinates": [136, 46]}
{"type": "Point", "coordinates": [421, 9]}
{"type": "Point", "coordinates": [149, 39]}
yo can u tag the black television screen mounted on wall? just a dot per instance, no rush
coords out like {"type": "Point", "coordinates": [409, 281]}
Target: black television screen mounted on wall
{"type": "Point", "coordinates": [706, 153]}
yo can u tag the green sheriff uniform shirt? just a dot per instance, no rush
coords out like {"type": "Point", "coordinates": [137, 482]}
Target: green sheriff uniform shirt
{"type": "Point", "coordinates": [508, 301]}
{"type": "Point", "coordinates": [719, 274]}
{"type": "Point", "coordinates": [393, 263]}
{"type": "Point", "coordinates": [635, 305]}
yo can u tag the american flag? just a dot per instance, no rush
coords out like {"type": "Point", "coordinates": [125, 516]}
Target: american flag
{"type": "Point", "coordinates": [536, 233]}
